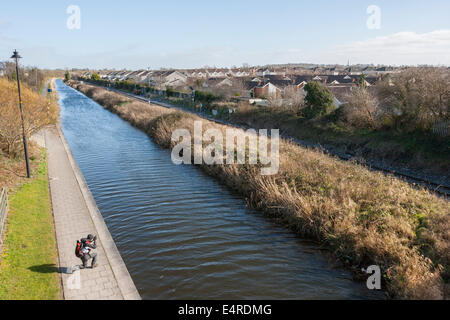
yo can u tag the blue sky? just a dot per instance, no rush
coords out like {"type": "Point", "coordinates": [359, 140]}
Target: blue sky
{"type": "Point", "coordinates": [184, 34]}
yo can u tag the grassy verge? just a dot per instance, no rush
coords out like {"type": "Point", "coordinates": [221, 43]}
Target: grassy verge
{"type": "Point", "coordinates": [365, 218]}
{"type": "Point", "coordinates": [28, 266]}
{"type": "Point", "coordinates": [417, 150]}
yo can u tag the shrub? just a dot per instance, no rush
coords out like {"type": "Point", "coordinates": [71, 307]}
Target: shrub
{"type": "Point", "coordinates": [319, 100]}
{"type": "Point", "coordinates": [170, 92]}
{"type": "Point", "coordinates": [96, 77]}
{"type": "Point", "coordinates": [416, 98]}
{"type": "Point", "coordinates": [361, 109]}
{"type": "Point", "coordinates": [205, 97]}
{"type": "Point", "coordinates": [294, 100]}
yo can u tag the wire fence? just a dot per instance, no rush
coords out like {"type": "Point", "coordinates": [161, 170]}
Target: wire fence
{"type": "Point", "coordinates": [3, 212]}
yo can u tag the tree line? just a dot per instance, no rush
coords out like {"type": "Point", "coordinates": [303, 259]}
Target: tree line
{"type": "Point", "coordinates": [414, 99]}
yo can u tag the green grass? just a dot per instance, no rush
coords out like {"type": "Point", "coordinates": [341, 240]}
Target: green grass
{"type": "Point", "coordinates": [28, 267]}
{"type": "Point", "coordinates": [123, 103]}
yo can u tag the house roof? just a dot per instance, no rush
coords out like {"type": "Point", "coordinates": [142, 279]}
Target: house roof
{"type": "Point", "coordinates": [253, 85]}
{"type": "Point", "coordinates": [301, 78]}
{"type": "Point", "coordinates": [212, 82]}
{"type": "Point", "coordinates": [281, 83]}
{"type": "Point", "coordinates": [341, 91]}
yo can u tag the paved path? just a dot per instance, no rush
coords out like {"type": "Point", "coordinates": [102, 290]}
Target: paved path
{"type": "Point", "coordinates": [76, 216]}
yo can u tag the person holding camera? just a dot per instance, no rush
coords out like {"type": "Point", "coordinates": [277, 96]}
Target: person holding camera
{"type": "Point", "coordinates": [84, 251]}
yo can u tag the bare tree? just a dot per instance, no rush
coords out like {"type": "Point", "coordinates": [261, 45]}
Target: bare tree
{"type": "Point", "coordinates": [33, 77]}
{"type": "Point", "coordinates": [237, 89]}
{"type": "Point", "coordinates": [38, 112]}
{"type": "Point", "coordinates": [361, 109]}
{"type": "Point", "coordinates": [417, 97]}
{"type": "Point", "coordinates": [294, 99]}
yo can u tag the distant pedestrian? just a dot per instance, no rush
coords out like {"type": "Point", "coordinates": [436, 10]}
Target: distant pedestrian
{"type": "Point", "coordinates": [84, 249]}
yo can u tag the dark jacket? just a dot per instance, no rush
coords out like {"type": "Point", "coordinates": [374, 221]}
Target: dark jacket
{"type": "Point", "coordinates": [86, 243]}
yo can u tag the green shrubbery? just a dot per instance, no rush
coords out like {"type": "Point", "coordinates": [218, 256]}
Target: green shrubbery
{"type": "Point", "coordinates": [205, 97]}
{"type": "Point", "coordinates": [96, 77]}
{"type": "Point", "coordinates": [319, 100]}
{"type": "Point", "coordinates": [170, 92]}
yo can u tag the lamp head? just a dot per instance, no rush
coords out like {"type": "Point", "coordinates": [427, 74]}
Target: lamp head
{"type": "Point", "coordinates": [16, 55]}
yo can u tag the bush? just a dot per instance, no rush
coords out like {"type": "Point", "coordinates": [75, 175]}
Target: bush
{"type": "Point", "coordinates": [205, 97]}
{"type": "Point", "coordinates": [361, 109]}
{"type": "Point", "coordinates": [293, 102]}
{"type": "Point", "coordinates": [416, 98]}
{"type": "Point", "coordinates": [96, 77]}
{"type": "Point", "coordinates": [319, 100]}
{"type": "Point", "coordinates": [170, 92]}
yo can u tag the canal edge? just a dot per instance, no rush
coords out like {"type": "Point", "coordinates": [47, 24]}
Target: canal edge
{"type": "Point", "coordinates": [120, 271]}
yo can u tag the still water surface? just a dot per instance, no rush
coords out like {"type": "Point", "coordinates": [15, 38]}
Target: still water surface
{"type": "Point", "coordinates": [182, 234]}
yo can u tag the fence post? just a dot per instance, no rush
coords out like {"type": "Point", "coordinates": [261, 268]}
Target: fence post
{"type": "Point", "coordinates": [3, 212]}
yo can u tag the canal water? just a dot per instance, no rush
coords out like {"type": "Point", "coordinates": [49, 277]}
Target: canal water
{"type": "Point", "coordinates": [182, 234]}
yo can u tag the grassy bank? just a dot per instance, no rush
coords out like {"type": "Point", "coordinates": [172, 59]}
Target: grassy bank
{"type": "Point", "coordinates": [28, 265]}
{"type": "Point", "coordinates": [416, 150]}
{"type": "Point", "coordinates": [363, 217]}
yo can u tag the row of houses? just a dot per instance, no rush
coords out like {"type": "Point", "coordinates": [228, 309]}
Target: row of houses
{"type": "Point", "coordinates": [176, 78]}
{"type": "Point", "coordinates": [274, 86]}
{"type": "Point", "coordinates": [145, 76]}
{"type": "Point", "coordinates": [267, 85]}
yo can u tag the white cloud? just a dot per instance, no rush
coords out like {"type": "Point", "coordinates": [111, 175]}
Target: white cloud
{"type": "Point", "coordinates": [403, 48]}
{"type": "Point", "coordinates": [400, 48]}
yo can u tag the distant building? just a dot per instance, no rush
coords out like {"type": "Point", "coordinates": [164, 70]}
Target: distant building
{"type": "Point", "coordinates": [267, 90]}
{"type": "Point", "coordinates": [175, 79]}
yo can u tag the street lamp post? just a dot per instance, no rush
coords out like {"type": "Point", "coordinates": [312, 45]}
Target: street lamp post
{"type": "Point", "coordinates": [16, 57]}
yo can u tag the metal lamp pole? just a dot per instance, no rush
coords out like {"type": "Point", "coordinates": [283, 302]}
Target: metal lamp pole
{"type": "Point", "coordinates": [16, 56]}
